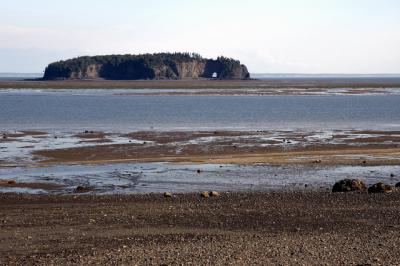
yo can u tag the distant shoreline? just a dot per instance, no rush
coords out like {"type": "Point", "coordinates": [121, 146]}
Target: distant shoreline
{"type": "Point", "coordinates": [205, 83]}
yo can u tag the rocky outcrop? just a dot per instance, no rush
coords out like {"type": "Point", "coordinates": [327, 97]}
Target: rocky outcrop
{"type": "Point", "coordinates": [148, 66]}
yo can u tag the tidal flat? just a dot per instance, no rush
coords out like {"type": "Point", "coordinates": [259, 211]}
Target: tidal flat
{"type": "Point", "coordinates": [83, 172]}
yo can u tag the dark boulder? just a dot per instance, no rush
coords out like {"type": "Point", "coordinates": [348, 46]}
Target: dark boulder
{"type": "Point", "coordinates": [348, 185]}
{"type": "Point", "coordinates": [380, 188]}
{"type": "Point", "coordinates": [82, 189]}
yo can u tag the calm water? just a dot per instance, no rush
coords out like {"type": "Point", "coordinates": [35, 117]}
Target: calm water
{"type": "Point", "coordinates": [102, 110]}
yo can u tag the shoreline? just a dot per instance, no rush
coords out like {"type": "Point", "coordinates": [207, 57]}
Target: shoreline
{"type": "Point", "coordinates": [301, 227]}
{"type": "Point", "coordinates": [204, 84]}
{"type": "Point", "coordinates": [148, 161]}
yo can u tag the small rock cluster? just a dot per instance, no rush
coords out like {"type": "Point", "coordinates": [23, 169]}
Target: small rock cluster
{"type": "Point", "coordinates": [207, 194]}
{"type": "Point", "coordinates": [348, 185]}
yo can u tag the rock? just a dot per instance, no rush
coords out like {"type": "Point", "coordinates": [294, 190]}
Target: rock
{"type": "Point", "coordinates": [398, 185]}
{"type": "Point", "coordinates": [198, 171]}
{"type": "Point", "coordinates": [214, 194]}
{"type": "Point", "coordinates": [82, 189]}
{"type": "Point", "coordinates": [172, 66]}
{"type": "Point", "coordinates": [168, 195]}
{"type": "Point", "coordinates": [348, 185]}
{"type": "Point", "coordinates": [205, 194]}
{"type": "Point", "coordinates": [380, 188]}
{"type": "Point", "coordinates": [391, 175]}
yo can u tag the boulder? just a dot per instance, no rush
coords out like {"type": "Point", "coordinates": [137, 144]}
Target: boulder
{"type": "Point", "coordinates": [398, 185]}
{"type": "Point", "coordinates": [168, 195]}
{"type": "Point", "coordinates": [380, 188]}
{"type": "Point", "coordinates": [205, 194]}
{"type": "Point", "coordinates": [82, 189]}
{"type": "Point", "coordinates": [214, 194]}
{"type": "Point", "coordinates": [348, 185]}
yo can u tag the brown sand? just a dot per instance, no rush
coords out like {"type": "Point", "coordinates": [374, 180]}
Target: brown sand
{"type": "Point", "coordinates": [277, 228]}
{"type": "Point", "coordinates": [44, 186]}
{"type": "Point", "coordinates": [233, 147]}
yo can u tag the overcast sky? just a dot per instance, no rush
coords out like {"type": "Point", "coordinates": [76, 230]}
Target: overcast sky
{"type": "Point", "coordinates": [269, 36]}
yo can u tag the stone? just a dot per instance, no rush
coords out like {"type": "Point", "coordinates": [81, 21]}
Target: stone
{"type": "Point", "coordinates": [198, 171]}
{"type": "Point", "coordinates": [214, 194]}
{"type": "Point", "coordinates": [82, 189]}
{"type": "Point", "coordinates": [347, 185]}
{"type": "Point", "coordinates": [380, 188]}
{"type": "Point", "coordinates": [168, 195]}
{"type": "Point", "coordinates": [398, 185]}
{"type": "Point", "coordinates": [205, 194]}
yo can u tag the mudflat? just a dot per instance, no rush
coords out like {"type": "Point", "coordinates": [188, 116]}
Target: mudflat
{"type": "Point", "coordinates": [284, 228]}
{"type": "Point", "coordinates": [237, 147]}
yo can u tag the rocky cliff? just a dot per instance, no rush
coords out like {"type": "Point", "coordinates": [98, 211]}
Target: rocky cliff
{"type": "Point", "coordinates": [148, 66]}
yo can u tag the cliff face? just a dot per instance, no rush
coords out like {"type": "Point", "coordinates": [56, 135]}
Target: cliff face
{"type": "Point", "coordinates": [156, 66]}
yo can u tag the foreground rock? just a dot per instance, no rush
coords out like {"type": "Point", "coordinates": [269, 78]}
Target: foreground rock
{"type": "Point", "coordinates": [205, 194]}
{"type": "Point", "coordinates": [214, 194]}
{"type": "Point", "coordinates": [167, 195]}
{"type": "Point", "coordinates": [348, 185]}
{"type": "Point", "coordinates": [380, 188]}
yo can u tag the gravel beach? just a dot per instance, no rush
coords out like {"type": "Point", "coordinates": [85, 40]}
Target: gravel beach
{"type": "Point", "coordinates": [264, 228]}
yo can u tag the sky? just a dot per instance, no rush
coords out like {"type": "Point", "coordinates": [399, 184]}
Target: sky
{"type": "Point", "coordinates": [269, 36]}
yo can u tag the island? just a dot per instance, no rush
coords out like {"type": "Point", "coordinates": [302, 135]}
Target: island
{"type": "Point", "coordinates": [170, 66]}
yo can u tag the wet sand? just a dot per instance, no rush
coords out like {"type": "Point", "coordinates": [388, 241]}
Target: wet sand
{"type": "Point", "coordinates": [42, 186]}
{"type": "Point", "coordinates": [276, 228]}
{"type": "Point", "coordinates": [238, 147]}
